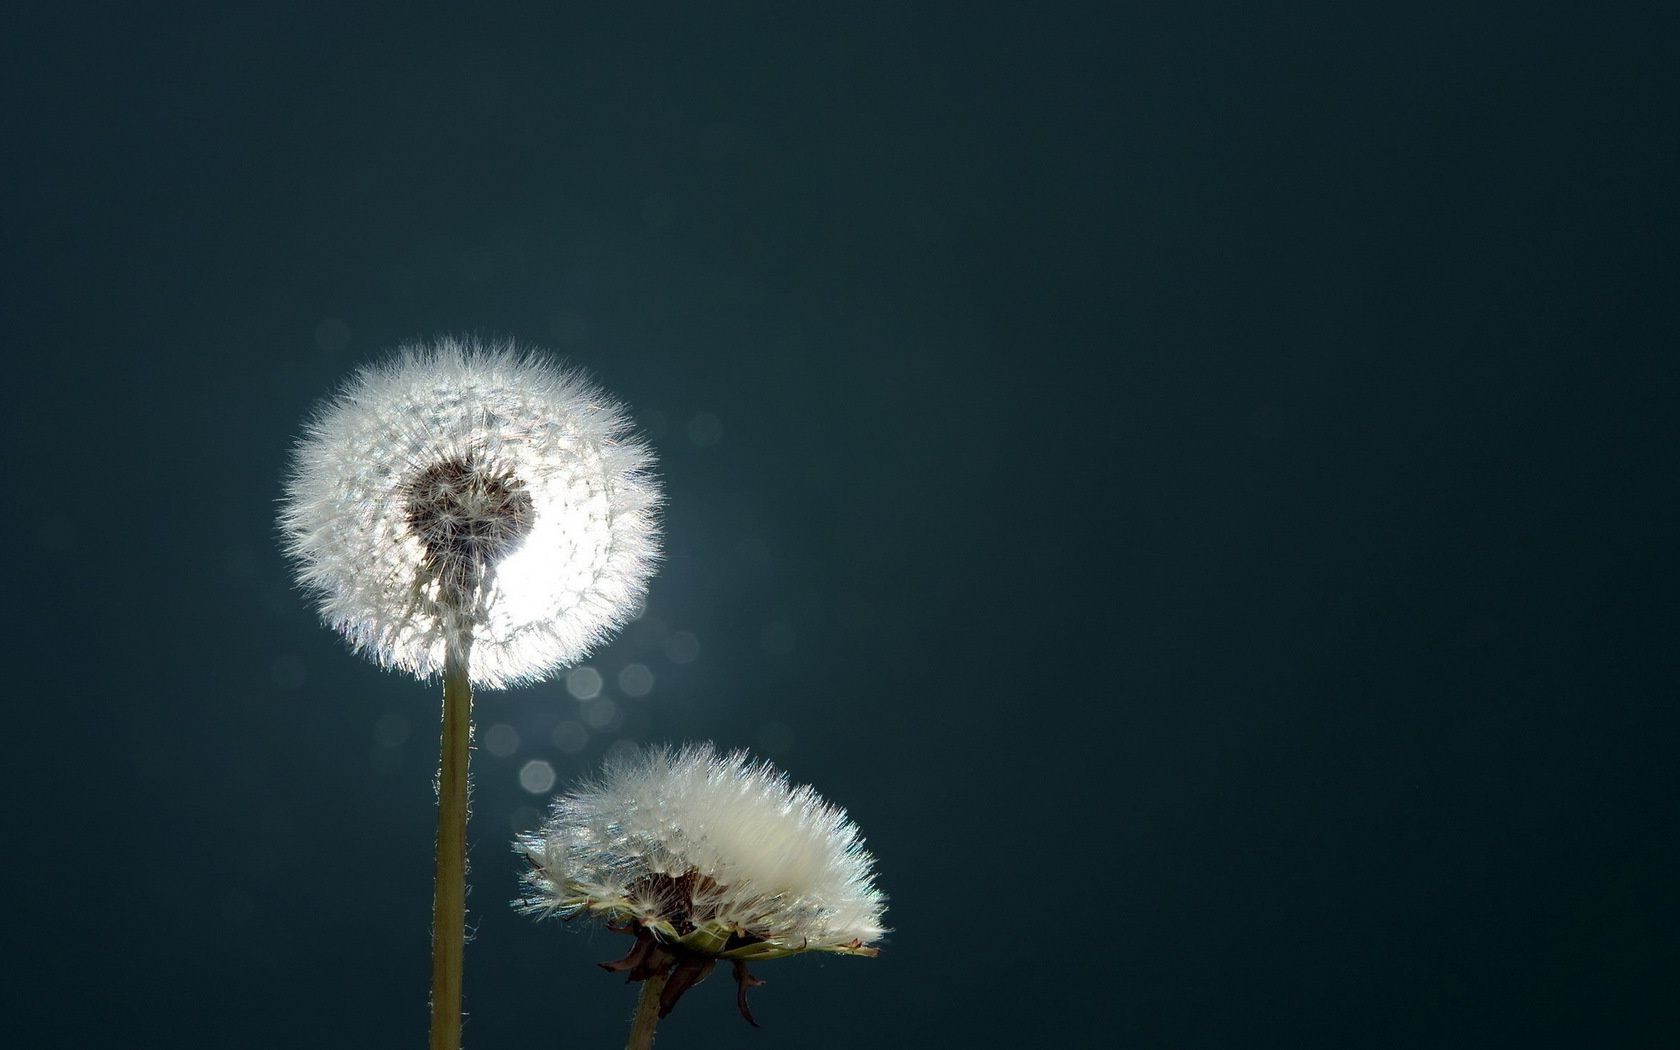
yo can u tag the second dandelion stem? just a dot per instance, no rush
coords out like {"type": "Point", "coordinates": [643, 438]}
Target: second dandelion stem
{"type": "Point", "coordinates": [449, 903]}
{"type": "Point", "coordinates": [647, 1013]}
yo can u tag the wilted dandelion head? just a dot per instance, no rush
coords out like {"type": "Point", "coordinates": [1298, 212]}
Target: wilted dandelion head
{"type": "Point", "coordinates": [468, 494]}
{"type": "Point", "coordinates": [705, 856]}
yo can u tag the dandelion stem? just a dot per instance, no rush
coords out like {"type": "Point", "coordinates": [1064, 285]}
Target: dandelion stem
{"type": "Point", "coordinates": [449, 903]}
{"type": "Point", "coordinates": [647, 1013]}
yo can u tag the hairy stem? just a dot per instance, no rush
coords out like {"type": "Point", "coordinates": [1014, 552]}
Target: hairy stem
{"type": "Point", "coordinates": [647, 1013]}
{"type": "Point", "coordinates": [449, 903]}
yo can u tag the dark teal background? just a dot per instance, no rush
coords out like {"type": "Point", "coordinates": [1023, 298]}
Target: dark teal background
{"type": "Point", "coordinates": [1195, 480]}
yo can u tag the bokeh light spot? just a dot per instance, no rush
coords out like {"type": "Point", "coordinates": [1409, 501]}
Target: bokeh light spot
{"type": "Point", "coordinates": [536, 776]}
{"type": "Point", "coordinates": [501, 740]}
{"type": "Point", "coordinates": [584, 683]}
{"type": "Point", "coordinates": [601, 713]}
{"type": "Point", "coordinates": [635, 680]}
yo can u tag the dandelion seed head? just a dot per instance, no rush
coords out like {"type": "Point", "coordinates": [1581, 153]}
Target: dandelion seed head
{"type": "Point", "coordinates": [691, 839]}
{"type": "Point", "coordinates": [467, 492]}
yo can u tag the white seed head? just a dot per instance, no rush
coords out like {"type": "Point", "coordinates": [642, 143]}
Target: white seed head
{"type": "Point", "coordinates": [468, 494]}
{"type": "Point", "coordinates": [713, 850]}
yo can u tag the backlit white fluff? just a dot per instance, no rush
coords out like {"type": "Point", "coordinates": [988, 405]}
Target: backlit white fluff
{"type": "Point", "coordinates": [581, 564]}
{"type": "Point", "coordinates": [774, 864]}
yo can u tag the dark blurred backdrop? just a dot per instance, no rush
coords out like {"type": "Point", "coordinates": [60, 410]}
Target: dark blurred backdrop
{"type": "Point", "coordinates": [1195, 480]}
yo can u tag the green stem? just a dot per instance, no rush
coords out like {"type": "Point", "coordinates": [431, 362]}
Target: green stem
{"type": "Point", "coordinates": [449, 903]}
{"type": "Point", "coordinates": [647, 1013]}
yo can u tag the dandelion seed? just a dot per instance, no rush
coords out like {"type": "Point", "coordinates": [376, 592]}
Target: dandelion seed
{"type": "Point", "coordinates": [703, 857]}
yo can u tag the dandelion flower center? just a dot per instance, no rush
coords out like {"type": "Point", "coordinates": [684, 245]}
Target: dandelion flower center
{"type": "Point", "coordinates": [467, 517]}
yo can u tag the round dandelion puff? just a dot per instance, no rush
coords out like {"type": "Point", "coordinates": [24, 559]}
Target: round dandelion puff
{"type": "Point", "coordinates": [703, 857]}
{"type": "Point", "coordinates": [459, 491]}
{"type": "Point", "coordinates": [476, 512]}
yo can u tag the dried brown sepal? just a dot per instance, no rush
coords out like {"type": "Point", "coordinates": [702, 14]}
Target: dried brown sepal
{"type": "Point", "coordinates": [682, 966]}
{"type": "Point", "coordinates": [743, 981]}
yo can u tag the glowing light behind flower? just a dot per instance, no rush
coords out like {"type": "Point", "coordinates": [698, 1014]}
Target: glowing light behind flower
{"type": "Point", "coordinates": [536, 488]}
